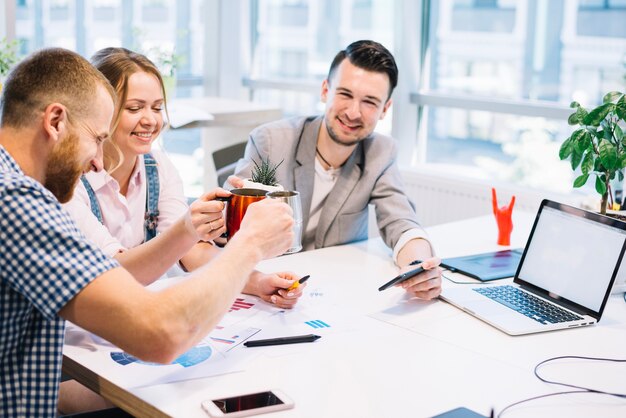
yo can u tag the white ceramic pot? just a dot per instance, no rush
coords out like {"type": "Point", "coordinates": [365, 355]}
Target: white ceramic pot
{"type": "Point", "coordinates": [249, 184]}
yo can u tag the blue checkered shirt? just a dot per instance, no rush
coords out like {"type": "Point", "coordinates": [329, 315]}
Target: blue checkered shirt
{"type": "Point", "coordinates": [44, 262]}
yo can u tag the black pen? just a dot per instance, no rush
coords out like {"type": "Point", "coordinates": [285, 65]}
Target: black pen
{"type": "Point", "coordinates": [283, 340]}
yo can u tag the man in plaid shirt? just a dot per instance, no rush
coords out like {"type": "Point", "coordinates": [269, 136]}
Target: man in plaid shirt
{"type": "Point", "coordinates": [56, 113]}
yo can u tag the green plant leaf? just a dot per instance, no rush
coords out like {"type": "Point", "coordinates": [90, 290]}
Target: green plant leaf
{"type": "Point", "coordinates": [597, 165]}
{"type": "Point", "coordinates": [608, 154]}
{"type": "Point", "coordinates": [581, 180]}
{"type": "Point", "coordinates": [611, 96]}
{"type": "Point", "coordinates": [620, 108]}
{"type": "Point", "coordinates": [573, 119]}
{"type": "Point", "coordinates": [600, 186]}
{"type": "Point", "coordinates": [577, 134]}
{"type": "Point", "coordinates": [618, 133]}
{"type": "Point", "coordinates": [597, 115]}
{"type": "Point", "coordinates": [582, 113]}
{"type": "Point", "coordinates": [582, 141]}
{"type": "Point", "coordinates": [566, 148]}
{"type": "Point", "coordinates": [265, 173]}
{"type": "Point", "coordinates": [587, 164]}
{"type": "Point", "coordinates": [574, 104]}
{"type": "Point", "coordinates": [576, 157]}
{"type": "Point", "coordinates": [622, 161]}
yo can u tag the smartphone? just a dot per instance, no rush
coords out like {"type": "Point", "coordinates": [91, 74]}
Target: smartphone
{"type": "Point", "coordinates": [249, 404]}
{"type": "Point", "coordinates": [401, 278]}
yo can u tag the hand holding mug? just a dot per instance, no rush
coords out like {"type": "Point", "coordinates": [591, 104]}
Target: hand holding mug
{"type": "Point", "coordinates": [292, 198]}
{"type": "Point", "coordinates": [206, 216]}
{"type": "Point", "coordinates": [268, 226]}
{"type": "Point", "coordinates": [238, 202]}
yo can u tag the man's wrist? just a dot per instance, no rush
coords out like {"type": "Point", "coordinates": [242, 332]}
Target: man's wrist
{"type": "Point", "coordinates": [244, 245]}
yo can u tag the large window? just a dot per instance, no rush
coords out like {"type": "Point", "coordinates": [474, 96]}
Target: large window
{"type": "Point", "coordinates": [164, 30]}
{"type": "Point", "coordinates": [499, 71]}
{"type": "Point", "coordinates": [491, 95]}
{"type": "Point", "coordinates": [294, 42]}
{"type": "Point", "coordinates": [484, 86]}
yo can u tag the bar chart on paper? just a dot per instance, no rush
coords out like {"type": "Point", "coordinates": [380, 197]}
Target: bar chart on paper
{"type": "Point", "coordinates": [240, 303]}
{"type": "Point", "coordinates": [317, 324]}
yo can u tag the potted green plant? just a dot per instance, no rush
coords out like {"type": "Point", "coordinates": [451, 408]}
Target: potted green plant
{"type": "Point", "coordinates": [264, 176]}
{"type": "Point", "coordinates": [598, 146]}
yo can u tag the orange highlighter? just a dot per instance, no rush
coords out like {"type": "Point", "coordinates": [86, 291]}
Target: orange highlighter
{"type": "Point", "coordinates": [299, 282]}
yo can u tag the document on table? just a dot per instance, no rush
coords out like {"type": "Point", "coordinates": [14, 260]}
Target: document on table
{"type": "Point", "coordinates": [221, 351]}
{"type": "Point", "coordinates": [215, 354]}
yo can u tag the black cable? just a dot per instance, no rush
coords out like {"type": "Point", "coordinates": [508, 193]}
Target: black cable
{"type": "Point", "coordinates": [580, 389]}
{"type": "Point", "coordinates": [612, 360]}
{"type": "Point", "coordinates": [569, 392]}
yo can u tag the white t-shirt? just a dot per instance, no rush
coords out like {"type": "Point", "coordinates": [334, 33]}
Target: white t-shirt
{"type": "Point", "coordinates": [322, 185]}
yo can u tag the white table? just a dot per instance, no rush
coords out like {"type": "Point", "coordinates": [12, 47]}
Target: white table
{"type": "Point", "coordinates": [416, 359]}
{"type": "Point", "coordinates": [231, 123]}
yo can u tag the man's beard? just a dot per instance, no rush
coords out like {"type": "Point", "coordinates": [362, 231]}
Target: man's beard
{"type": "Point", "coordinates": [63, 170]}
{"type": "Point", "coordinates": [338, 141]}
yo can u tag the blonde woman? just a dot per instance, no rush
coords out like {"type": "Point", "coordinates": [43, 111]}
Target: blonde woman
{"type": "Point", "coordinates": [134, 208]}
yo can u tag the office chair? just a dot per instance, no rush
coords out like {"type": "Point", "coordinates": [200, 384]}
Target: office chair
{"type": "Point", "coordinates": [225, 161]}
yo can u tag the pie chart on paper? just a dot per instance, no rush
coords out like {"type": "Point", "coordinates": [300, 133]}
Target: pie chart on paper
{"type": "Point", "coordinates": [192, 357]}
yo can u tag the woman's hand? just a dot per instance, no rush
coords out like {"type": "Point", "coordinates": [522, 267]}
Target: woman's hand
{"type": "Point", "coordinates": [206, 215]}
{"type": "Point", "coordinates": [274, 288]}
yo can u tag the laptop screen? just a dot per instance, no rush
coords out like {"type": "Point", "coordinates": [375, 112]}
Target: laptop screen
{"type": "Point", "coordinates": [572, 254]}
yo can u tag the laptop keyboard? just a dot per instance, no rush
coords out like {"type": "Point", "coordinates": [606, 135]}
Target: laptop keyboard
{"type": "Point", "coordinates": [527, 304]}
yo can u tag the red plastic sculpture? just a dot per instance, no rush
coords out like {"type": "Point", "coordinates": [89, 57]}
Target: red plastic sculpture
{"type": "Point", "coordinates": [503, 218]}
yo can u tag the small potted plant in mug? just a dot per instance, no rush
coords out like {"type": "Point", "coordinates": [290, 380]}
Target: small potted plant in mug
{"type": "Point", "coordinates": [263, 176]}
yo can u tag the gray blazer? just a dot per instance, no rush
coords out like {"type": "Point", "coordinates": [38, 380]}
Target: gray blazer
{"type": "Point", "coordinates": [370, 175]}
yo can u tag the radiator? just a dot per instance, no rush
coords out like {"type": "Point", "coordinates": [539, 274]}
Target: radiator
{"type": "Point", "coordinates": [442, 198]}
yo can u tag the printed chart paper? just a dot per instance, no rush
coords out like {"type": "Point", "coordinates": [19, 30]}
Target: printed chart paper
{"type": "Point", "coordinates": [222, 350]}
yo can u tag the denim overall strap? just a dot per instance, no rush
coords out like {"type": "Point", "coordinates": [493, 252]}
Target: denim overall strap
{"type": "Point", "coordinates": [93, 201]}
{"type": "Point", "coordinates": [152, 197]}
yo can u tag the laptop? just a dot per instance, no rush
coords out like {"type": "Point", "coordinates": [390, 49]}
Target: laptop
{"type": "Point", "coordinates": [563, 280]}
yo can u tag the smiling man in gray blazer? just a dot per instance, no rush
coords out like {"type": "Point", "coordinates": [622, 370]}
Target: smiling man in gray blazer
{"type": "Point", "coordinates": [340, 165]}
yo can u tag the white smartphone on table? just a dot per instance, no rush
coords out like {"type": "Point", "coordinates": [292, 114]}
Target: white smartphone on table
{"type": "Point", "coordinates": [248, 404]}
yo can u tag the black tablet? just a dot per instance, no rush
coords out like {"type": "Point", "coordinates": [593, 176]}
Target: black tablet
{"type": "Point", "coordinates": [487, 266]}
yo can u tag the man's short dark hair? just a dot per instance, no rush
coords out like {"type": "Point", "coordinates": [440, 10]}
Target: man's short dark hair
{"type": "Point", "coordinates": [47, 76]}
{"type": "Point", "coordinates": [370, 56]}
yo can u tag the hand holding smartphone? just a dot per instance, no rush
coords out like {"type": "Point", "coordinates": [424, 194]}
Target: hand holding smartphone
{"type": "Point", "coordinates": [402, 277]}
{"type": "Point", "coordinates": [249, 404]}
